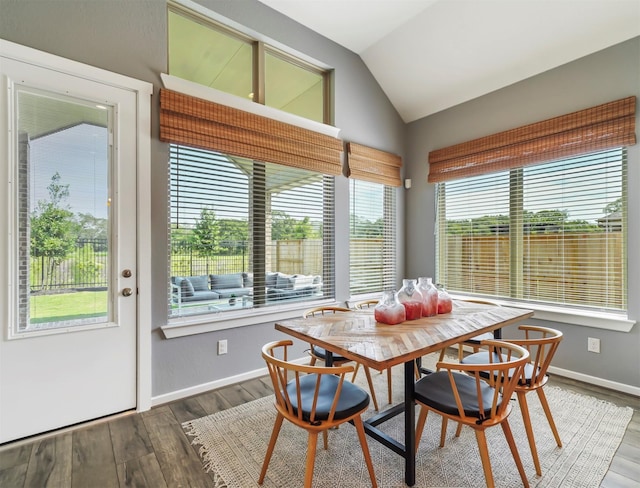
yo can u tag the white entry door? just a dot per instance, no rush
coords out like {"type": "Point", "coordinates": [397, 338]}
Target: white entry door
{"type": "Point", "coordinates": [68, 265]}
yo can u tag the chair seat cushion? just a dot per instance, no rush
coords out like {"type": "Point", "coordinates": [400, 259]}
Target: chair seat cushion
{"type": "Point", "coordinates": [353, 399]}
{"type": "Point", "coordinates": [434, 390]}
{"type": "Point", "coordinates": [321, 353]}
{"type": "Point", "coordinates": [482, 357]}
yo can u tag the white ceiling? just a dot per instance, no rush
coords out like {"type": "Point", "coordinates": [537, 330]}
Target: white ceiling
{"type": "Point", "coordinates": [429, 55]}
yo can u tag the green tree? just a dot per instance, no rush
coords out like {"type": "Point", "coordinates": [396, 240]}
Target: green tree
{"type": "Point", "coordinates": [206, 234]}
{"type": "Point", "coordinates": [53, 233]}
{"type": "Point", "coordinates": [615, 206]}
{"type": "Point", "coordinates": [234, 234]}
{"type": "Point", "coordinates": [363, 228]}
{"type": "Point", "coordinates": [285, 227]}
{"type": "Point", "coordinates": [90, 227]}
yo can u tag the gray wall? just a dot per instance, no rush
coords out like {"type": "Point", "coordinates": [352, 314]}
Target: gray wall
{"type": "Point", "coordinates": [607, 75]}
{"type": "Point", "coordinates": [129, 37]}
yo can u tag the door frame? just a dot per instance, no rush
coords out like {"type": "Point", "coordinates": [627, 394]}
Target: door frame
{"type": "Point", "coordinates": [143, 91]}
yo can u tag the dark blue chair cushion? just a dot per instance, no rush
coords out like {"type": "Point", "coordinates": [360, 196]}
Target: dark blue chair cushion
{"type": "Point", "coordinates": [321, 353]}
{"type": "Point", "coordinates": [435, 391]}
{"type": "Point", "coordinates": [353, 399]}
{"type": "Point", "coordinates": [483, 358]}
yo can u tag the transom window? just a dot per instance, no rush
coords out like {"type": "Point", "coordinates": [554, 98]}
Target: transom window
{"type": "Point", "coordinates": [205, 52]}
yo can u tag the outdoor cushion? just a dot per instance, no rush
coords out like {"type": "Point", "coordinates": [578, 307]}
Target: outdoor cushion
{"type": "Point", "coordinates": [186, 288]}
{"type": "Point", "coordinates": [201, 295]}
{"type": "Point", "coordinates": [247, 280]}
{"type": "Point", "coordinates": [284, 282]}
{"type": "Point", "coordinates": [223, 281]}
{"type": "Point", "coordinates": [200, 283]}
{"type": "Point", "coordinates": [302, 281]}
{"type": "Point", "coordinates": [271, 280]}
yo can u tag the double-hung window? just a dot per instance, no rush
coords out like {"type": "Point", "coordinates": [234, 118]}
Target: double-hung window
{"type": "Point", "coordinates": [516, 223]}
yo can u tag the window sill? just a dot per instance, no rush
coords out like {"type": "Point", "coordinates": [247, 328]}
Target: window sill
{"type": "Point", "coordinates": [597, 320]}
{"type": "Point", "coordinates": [201, 324]}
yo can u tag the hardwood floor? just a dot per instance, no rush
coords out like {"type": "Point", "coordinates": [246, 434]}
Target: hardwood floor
{"type": "Point", "coordinates": [151, 450]}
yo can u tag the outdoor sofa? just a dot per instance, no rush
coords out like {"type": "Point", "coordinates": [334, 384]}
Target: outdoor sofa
{"type": "Point", "coordinates": [215, 287]}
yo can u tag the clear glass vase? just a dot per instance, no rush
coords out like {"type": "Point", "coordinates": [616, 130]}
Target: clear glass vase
{"type": "Point", "coordinates": [411, 298]}
{"type": "Point", "coordinates": [429, 294]}
{"type": "Point", "coordinates": [389, 310]}
{"type": "Point", "coordinates": [445, 305]}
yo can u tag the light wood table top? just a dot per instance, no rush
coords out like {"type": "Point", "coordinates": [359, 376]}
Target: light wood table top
{"type": "Point", "coordinates": [357, 335]}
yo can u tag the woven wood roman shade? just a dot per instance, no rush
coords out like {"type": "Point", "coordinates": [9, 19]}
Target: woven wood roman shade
{"type": "Point", "coordinates": [366, 163]}
{"type": "Point", "coordinates": [598, 128]}
{"type": "Point", "coordinates": [194, 122]}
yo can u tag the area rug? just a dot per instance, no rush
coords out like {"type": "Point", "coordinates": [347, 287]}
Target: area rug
{"type": "Point", "coordinates": [233, 443]}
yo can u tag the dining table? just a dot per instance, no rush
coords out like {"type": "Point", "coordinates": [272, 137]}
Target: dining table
{"type": "Point", "coordinates": [357, 335]}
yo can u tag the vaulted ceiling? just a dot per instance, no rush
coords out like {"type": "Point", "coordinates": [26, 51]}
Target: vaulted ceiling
{"type": "Point", "coordinates": [429, 55]}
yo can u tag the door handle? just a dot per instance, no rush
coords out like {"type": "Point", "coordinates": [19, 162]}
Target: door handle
{"type": "Point", "coordinates": [127, 292]}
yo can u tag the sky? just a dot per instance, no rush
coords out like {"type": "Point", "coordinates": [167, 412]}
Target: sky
{"type": "Point", "coordinates": [80, 155]}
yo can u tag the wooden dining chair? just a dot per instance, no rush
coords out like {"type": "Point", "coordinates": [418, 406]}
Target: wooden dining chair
{"type": "Point", "coordinates": [542, 343]}
{"type": "Point", "coordinates": [315, 398]}
{"type": "Point", "coordinates": [319, 353]}
{"type": "Point", "coordinates": [474, 342]}
{"type": "Point", "coordinates": [365, 304]}
{"type": "Point", "coordinates": [477, 395]}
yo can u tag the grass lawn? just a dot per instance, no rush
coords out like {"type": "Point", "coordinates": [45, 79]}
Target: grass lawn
{"type": "Point", "coordinates": [68, 306]}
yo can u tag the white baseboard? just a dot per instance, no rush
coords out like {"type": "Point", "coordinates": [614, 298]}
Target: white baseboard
{"type": "Point", "coordinates": [594, 380]}
{"type": "Point", "coordinates": [214, 385]}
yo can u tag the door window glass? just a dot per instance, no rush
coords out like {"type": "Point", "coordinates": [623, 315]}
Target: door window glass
{"type": "Point", "coordinates": [63, 204]}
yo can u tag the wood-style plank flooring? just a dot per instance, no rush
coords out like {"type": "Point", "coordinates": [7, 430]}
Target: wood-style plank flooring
{"type": "Point", "coordinates": [151, 450]}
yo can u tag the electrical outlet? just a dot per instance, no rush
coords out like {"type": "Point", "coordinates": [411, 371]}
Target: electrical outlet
{"type": "Point", "coordinates": [222, 347]}
{"type": "Point", "coordinates": [593, 344]}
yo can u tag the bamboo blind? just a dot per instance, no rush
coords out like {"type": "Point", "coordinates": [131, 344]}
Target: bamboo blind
{"type": "Point", "coordinates": [366, 163]}
{"type": "Point", "coordinates": [208, 125]}
{"type": "Point", "coordinates": [594, 129]}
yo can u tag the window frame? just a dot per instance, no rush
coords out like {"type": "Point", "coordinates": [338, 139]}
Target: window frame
{"type": "Point", "coordinates": [590, 317]}
{"type": "Point", "coordinates": [178, 325]}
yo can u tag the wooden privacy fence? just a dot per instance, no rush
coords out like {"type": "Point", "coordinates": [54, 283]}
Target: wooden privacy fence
{"type": "Point", "coordinates": [576, 268]}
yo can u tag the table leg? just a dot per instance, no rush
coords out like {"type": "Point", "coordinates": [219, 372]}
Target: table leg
{"type": "Point", "coordinates": [328, 362]}
{"type": "Point", "coordinates": [409, 424]}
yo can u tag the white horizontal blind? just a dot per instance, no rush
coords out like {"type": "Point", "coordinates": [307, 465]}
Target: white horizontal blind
{"type": "Point", "coordinates": [233, 215]}
{"type": "Point", "coordinates": [372, 227]}
{"type": "Point", "coordinates": [551, 233]}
